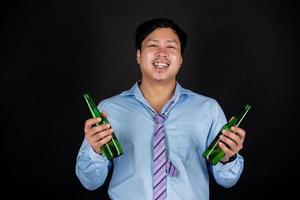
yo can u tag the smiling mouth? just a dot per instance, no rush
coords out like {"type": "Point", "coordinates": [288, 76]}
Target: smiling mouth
{"type": "Point", "coordinates": [160, 65]}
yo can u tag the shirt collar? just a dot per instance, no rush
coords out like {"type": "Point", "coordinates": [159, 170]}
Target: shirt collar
{"type": "Point", "coordinates": [136, 91]}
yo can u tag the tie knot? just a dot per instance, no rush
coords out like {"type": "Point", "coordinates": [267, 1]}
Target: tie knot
{"type": "Point", "coordinates": [159, 118]}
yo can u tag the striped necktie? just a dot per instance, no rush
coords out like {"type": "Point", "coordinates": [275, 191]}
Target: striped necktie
{"type": "Point", "coordinates": [161, 165]}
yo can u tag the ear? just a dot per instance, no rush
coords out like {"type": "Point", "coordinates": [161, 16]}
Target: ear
{"type": "Point", "coordinates": [138, 56]}
{"type": "Point", "coordinates": [181, 61]}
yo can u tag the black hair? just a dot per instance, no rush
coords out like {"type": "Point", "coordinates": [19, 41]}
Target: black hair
{"type": "Point", "coordinates": [144, 29]}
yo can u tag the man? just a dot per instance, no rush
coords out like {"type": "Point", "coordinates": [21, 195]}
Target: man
{"type": "Point", "coordinates": [186, 123]}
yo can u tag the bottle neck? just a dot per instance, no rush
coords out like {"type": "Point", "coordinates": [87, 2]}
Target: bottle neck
{"type": "Point", "coordinates": [242, 115]}
{"type": "Point", "coordinates": [91, 106]}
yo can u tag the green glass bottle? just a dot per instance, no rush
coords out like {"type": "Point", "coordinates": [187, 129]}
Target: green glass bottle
{"type": "Point", "coordinates": [113, 148]}
{"type": "Point", "coordinates": [214, 153]}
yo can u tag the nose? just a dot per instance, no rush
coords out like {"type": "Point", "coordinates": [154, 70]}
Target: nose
{"type": "Point", "coordinates": [161, 52]}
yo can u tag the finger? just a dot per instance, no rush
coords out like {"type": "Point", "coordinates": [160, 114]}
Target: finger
{"type": "Point", "coordinates": [239, 131]}
{"type": "Point", "coordinates": [97, 146]}
{"type": "Point", "coordinates": [100, 128]}
{"type": "Point", "coordinates": [229, 143]}
{"type": "Point", "coordinates": [105, 140]}
{"type": "Point", "coordinates": [94, 134]}
{"type": "Point", "coordinates": [104, 114]}
{"type": "Point", "coordinates": [232, 136]}
{"type": "Point", "coordinates": [98, 140]}
{"type": "Point", "coordinates": [100, 135]}
{"type": "Point", "coordinates": [91, 122]}
{"type": "Point", "coordinates": [228, 152]}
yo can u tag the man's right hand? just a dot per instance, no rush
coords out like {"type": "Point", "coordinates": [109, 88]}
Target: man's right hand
{"type": "Point", "coordinates": [99, 135]}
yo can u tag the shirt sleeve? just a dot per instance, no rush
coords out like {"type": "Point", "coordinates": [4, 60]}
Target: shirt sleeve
{"type": "Point", "coordinates": [91, 167]}
{"type": "Point", "coordinates": [227, 174]}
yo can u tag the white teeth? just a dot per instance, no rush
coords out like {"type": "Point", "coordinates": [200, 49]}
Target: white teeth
{"type": "Point", "coordinates": [160, 64]}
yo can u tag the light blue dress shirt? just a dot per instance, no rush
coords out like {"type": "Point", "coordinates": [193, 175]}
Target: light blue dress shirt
{"type": "Point", "coordinates": [192, 121]}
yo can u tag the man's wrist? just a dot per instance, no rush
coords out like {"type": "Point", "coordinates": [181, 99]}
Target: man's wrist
{"type": "Point", "coordinates": [232, 158]}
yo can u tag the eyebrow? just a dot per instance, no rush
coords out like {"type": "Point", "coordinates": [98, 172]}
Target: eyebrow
{"type": "Point", "coordinates": [168, 41]}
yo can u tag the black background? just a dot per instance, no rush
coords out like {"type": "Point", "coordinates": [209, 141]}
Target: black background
{"type": "Point", "coordinates": [53, 51]}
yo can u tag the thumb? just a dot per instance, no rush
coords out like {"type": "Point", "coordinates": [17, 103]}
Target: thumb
{"type": "Point", "coordinates": [104, 114]}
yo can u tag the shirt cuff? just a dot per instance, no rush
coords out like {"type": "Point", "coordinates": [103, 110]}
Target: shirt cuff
{"type": "Point", "coordinates": [96, 156]}
{"type": "Point", "coordinates": [224, 167]}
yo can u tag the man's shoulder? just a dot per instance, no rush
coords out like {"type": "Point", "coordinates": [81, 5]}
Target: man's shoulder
{"type": "Point", "coordinates": [118, 98]}
{"type": "Point", "coordinates": [192, 95]}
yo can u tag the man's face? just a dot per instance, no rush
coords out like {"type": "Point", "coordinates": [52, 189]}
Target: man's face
{"type": "Point", "coordinates": [160, 55]}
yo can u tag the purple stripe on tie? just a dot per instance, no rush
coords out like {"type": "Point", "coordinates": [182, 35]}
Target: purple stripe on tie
{"type": "Point", "coordinates": [161, 190]}
{"type": "Point", "coordinates": [162, 151]}
{"type": "Point", "coordinates": [172, 171]}
{"type": "Point", "coordinates": [160, 175]}
{"type": "Point", "coordinates": [160, 183]}
{"type": "Point", "coordinates": [159, 139]}
{"type": "Point", "coordinates": [158, 149]}
{"type": "Point", "coordinates": [159, 168]}
{"type": "Point", "coordinates": [161, 165]}
{"type": "Point", "coordinates": [161, 186]}
{"type": "Point", "coordinates": [159, 118]}
{"type": "Point", "coordinates": [171, 168]}
{"type": "Point", "coordinates": [159, 130]}
{"type": "Point", "coordinates": [163, 196]}
{"type": "Point", "coordinates": [159, 162]}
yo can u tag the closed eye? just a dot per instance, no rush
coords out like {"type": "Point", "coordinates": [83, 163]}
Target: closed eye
{"type": "Point", "coordinates": [152, 45]}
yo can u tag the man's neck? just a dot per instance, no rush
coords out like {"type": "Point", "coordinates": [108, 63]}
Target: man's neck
{"type": "Point", "coordinates": [158, 93]}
